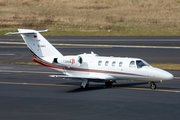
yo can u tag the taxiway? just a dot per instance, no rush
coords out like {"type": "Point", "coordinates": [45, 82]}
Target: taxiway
{"type": "Point", "coordinates": [27, 92]}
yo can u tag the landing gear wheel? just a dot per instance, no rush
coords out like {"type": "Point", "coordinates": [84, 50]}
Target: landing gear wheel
{"type": "Point", "coordinates": [84, 87]}
{"type": "Point", "coordinates": [152, 85]}
{"type": "Point", "coordinates": [81, 87]}
{"type": "Point", "coordinates": [108, 84]}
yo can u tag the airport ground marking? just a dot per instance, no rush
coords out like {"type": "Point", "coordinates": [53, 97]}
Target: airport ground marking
{"type": "Point", "coordinates": [160, 90]}
{"type": "Point", "coordinates": [61, 85]}
{"type": "Point", "coordinates": [94, 45]}
{"type": "Point", "coordinates": [58, 47]}
{"type": "Point", "coordinates": [176, 77]}
{"type": "Point", "coordinates": [38, 84]}
{"type": "Point", "coordinates": [11, 71]}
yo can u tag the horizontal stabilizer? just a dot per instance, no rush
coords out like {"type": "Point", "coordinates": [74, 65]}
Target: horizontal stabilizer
{"type": "Point", "coordinates": [26, 32]}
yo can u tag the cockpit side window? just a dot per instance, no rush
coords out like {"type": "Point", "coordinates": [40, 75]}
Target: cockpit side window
{"type": "Point", "coordinates": [141, 63]}
{"type": "Point", "coordinates": [132, 64]}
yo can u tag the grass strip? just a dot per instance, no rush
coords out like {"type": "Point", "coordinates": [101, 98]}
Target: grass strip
{"type": "Point", "coordinates": [101, 33]}
{"type": "Point", "coordinates": [20, 63]}
{"type": "Point", "coordinates": [164, 66]}
{"type": "Point", "coordinates": [93, 17]}
{"type": "Point", "coordinates": [167, 66]}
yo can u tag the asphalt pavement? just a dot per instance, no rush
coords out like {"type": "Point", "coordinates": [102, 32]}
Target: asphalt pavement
{"type": "Point", "coordinates": [27, 92]}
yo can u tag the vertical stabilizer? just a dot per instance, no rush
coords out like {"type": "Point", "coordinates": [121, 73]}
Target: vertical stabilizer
{"type": "Point", "coordinates": [39, 45]}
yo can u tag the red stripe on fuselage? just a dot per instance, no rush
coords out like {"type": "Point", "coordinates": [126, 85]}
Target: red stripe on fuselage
{"type": "Point", "coordinates": [74, 69]}
{"type": "Point", "coordinates": [45, 64]}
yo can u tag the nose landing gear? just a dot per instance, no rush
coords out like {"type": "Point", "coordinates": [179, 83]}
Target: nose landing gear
{"type": "Point", "coordinates": [152, 85]}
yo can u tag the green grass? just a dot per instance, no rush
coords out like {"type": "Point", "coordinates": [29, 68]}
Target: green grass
{"type": "Point", "coordinates": [111, 33]}
{"type": "Point", "coordinates": [167, 66]}
{"type": "Point", "coordinates": [101, 33]}
{"type": "Point", "coordinates": [3, 32]}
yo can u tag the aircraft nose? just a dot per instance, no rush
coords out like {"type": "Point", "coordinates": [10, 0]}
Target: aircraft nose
{"type": "Point", "coordinates": [162, 74]}
{"type": "Point", "coordinates": [167, 76]}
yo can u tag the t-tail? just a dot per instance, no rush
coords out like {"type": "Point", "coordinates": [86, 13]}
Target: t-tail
{"type": "Point", "coordinates": [38, 45]}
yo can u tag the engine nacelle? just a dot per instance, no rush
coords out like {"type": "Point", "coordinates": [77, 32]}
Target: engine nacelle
{"type": "Point", "coordinates": [69, 61]}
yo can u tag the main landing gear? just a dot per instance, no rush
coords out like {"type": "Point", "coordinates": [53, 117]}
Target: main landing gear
{"type": "Point", "coordinates": [152, 85]}
{"type": "Point", "coordinates": [109, 84]}
{"type": "Point", "coordinates": [84, 83]}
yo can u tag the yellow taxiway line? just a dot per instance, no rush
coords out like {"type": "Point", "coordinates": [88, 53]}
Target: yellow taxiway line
{"type": "Point", "coordinates": [94, 45]}
{"type": "Point", "coordinates": [130, 88]}
{"type": "Point", "coordinates": [55, 46]}
{"type": "Point", "coordinates": [19, 43]}
{"type": "Point", "coordinates": [161, 90]}
{"type": "Point", "coordinates": [40, 84]}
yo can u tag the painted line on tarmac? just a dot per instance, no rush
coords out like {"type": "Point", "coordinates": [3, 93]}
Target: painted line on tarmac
{"type": "Point", "coordinates": [7, 54]}
{"type": "Point", "coordinates": [38, 84]}
{"type": "Point", "coordinates": [10, 71]}
{"type": "Point", "coordinates": [41, 84]}
{"type": "Point", "coordinates": [160, 90]}
{"type": "Point", "coordinates": [57, 47]}
{"type": "Point", "coordinates": [13, 47]}
{"type": "Point", "coordinates": [94, 45]}
{"type": "Point", "coordinates": [128, 46]}
{"type": "Point", "coordinates": [19, 43]}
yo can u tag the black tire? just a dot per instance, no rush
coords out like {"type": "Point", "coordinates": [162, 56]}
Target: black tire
{"type": "Point", "coordinates": [108, 84]}
{"type": "Point", "coordinates": [85, 86]}
{"type": "Point", "coordinates": [153, 86]}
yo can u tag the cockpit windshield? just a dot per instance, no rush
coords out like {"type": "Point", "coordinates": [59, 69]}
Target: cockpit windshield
{"type": "Point", "coordinates": [141, 63]}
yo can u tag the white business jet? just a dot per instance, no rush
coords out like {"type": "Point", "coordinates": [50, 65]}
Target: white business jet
{"type": "Point", "coordinates": [91, 67]}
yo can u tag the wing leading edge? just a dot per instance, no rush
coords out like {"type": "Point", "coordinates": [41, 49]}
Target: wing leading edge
{"type": "Point", "coordinates": [101, 77]}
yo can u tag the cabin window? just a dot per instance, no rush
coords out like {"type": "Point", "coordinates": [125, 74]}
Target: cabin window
{"type": "Point", "coordinates": [113, 63]}
{"type": "Point", "coordinates": [132, 64]}
{"type": "Point", "coordinates": [120, 64]}
{"type": "Point", "coordinates": [106, 63]}
{"type": "Point", "coordinates": [141, 63]}
{"type": "Point", "coordinates": [99, 63]}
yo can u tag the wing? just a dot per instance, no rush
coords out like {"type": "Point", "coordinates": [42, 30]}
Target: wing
{"type": "Point", "coordinates": [90, 77]}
